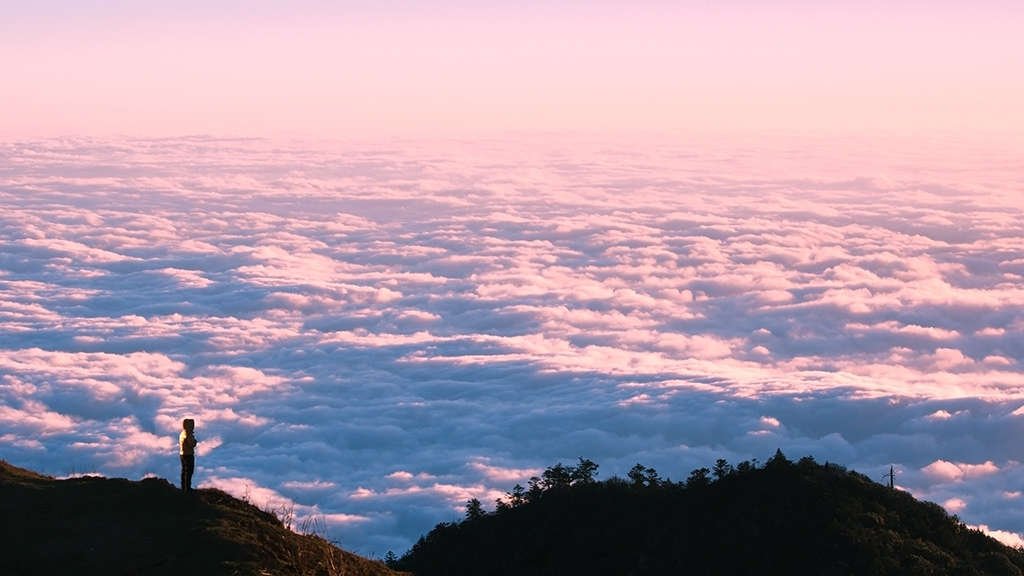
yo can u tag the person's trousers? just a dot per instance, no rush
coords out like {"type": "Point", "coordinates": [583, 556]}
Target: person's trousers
{"type": "Point", "coordinates": [188, 466]}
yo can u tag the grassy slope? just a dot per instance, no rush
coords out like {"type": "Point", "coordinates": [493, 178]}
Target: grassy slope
{"type": "Point", "coordinates": [114, 526]}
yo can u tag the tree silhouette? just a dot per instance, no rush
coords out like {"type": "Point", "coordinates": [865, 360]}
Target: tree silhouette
{"type": "Point", "coordinates": [779, 459]}
{"type": "Point", "coordinates": [642, 476]}
{"type": "Point", "coordinates": [698, 478]}
{"type": "Point", "coordinates": [474, 509]}
{"type": "Point", "coordinates": [638, 474]}
{"type": "Point", "coordinates": [722, 469]}
{"type": "Point", "coordinates": [653, 480]}
{"type": "Point", "coordinates": [536, 488]}
{"type": "Point", "coordinates": [585, 472]}
{"type": "Point", "coordinates": [517, 497]}
{"type": "Point", "coordinates": [557, 477]}
{"type": "Point", "coordinates": [746, 466]}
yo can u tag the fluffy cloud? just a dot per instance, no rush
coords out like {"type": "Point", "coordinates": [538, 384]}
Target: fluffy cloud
{"type": "Point", "coordinates": [379, 332]}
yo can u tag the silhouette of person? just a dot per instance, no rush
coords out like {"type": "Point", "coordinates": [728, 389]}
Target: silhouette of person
{"type": "Point", "coordinates": [187, 441]}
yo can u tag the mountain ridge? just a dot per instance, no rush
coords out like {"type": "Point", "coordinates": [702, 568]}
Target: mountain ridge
{"type": "Point", "coordinates": [778, 518]}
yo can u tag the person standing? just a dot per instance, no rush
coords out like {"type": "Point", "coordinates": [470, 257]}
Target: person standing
{"type": "Point", "coordinates": [187, 441]}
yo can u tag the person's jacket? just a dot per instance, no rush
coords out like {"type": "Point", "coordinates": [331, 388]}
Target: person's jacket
{"type": "Point", "coordinates": [187, 442]}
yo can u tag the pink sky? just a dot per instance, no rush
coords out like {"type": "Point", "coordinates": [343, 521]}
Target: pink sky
{"type": "Point", "coordinates": [328, 69]}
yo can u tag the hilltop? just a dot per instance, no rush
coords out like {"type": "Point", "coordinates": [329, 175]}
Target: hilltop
{"type": "Point", "coordinates": [113, 526]}
{"type": "Point", "coordinates": [780, 518]}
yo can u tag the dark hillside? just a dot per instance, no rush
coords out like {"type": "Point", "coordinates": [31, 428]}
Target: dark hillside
{"type": "Point", "coordinates": [780, 518]}
{"type": "Point", "coordinates": [114, 526]}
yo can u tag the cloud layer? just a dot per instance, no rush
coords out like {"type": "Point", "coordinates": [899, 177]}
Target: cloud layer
{"type": "Point", "coordinates": [380, 331]}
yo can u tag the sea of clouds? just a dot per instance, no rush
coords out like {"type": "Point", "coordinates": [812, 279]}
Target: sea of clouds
{"type": "Point", "coordinates": [376, 332]}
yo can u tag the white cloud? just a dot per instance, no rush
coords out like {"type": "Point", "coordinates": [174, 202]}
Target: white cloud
{"type": "Point", "coordinates": [944, 471]}
{"type": "Point", "coordinates": [1008, 538]}
{"type": "Point", "coordinates": [379, 332]}
{"type": "Point", "coordinates": [954, 505]}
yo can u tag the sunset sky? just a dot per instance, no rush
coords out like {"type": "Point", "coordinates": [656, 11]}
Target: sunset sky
{"type": "Point", "coordinates": [386, 68]}
{"type": "Point", "coordinates": [392, 255]}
